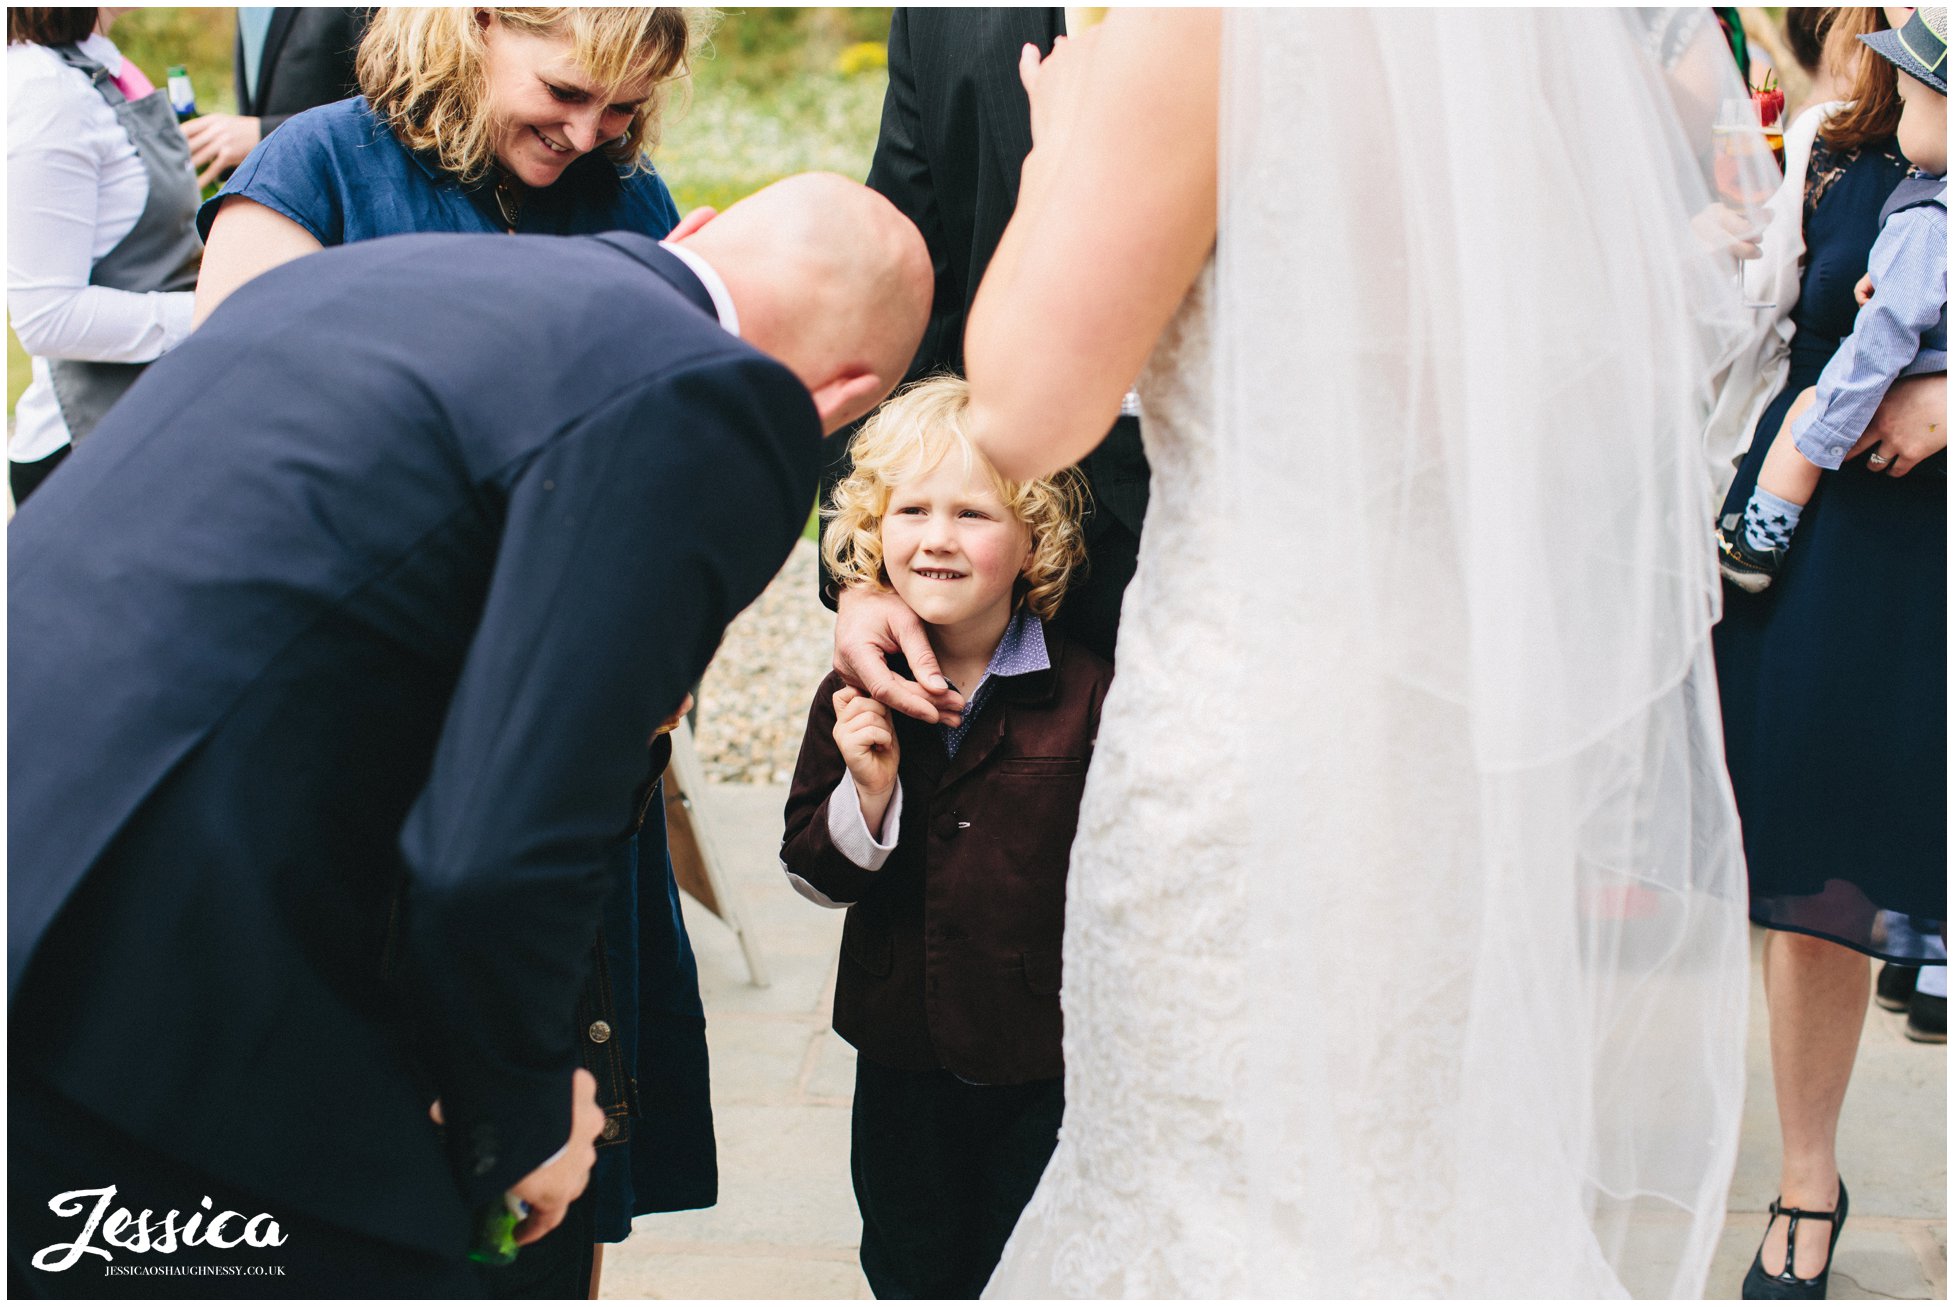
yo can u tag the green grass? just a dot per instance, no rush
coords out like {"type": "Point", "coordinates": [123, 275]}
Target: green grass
{"type": "Point", "coordinates": [199, 39]}
{"type": "Point", "coordinates": [764, 47]}
{"type": "Point", "coordinates": [776, 91]}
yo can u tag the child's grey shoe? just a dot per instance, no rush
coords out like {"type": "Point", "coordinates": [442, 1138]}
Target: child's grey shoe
{"type": "Point", "coordinates": [1750, 570]}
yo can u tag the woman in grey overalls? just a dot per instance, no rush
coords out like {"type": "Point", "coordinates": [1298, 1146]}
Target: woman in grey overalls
{"type": "Point", "coordinates": [102, 249]}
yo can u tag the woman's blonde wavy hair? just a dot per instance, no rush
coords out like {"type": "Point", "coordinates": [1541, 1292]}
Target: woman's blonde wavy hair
{"type": "Point", "coordinates": [909, 435]}
{"type": "Point", "coordinates": [421, 69]}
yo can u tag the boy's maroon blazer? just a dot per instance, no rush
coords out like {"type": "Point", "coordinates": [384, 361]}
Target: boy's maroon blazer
{"type": "Point", "coordinates": [950, 955]}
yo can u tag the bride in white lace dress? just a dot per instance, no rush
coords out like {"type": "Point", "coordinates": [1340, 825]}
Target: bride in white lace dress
{"type": "Point", "coordinates": [1405, 948]}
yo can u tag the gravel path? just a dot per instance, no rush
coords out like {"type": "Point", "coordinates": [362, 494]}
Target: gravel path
{"type": "Point", "coordinates": [753, 704]}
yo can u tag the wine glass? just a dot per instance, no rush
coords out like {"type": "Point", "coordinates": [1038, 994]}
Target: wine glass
{"type": "Point", "coordinates": [1746, 171]}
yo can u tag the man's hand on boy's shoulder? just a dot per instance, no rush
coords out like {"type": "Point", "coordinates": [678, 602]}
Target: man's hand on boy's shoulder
{"type": "Point", "coordinates": [871, 625]}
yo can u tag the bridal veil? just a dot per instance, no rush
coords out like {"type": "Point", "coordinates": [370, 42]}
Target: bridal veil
{"type": "Point", "coordinates": [1464, 342]}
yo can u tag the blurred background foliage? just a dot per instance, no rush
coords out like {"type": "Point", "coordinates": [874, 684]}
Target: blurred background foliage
{"type": "Point", "coordinates": [777, 91]}
{"type": "Point", "coordinates": [774, 91]}
{"type": "Point", "coordinates": [199, 39]}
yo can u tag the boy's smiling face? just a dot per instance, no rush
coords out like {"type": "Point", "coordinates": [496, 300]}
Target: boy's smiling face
{"type": "Point", "coordinates": [951, 548]}
{"type": "Point", "coordinates": [1923, 125]}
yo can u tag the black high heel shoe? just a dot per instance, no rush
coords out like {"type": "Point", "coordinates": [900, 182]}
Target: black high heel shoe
{"type": "Point", "coordinates": [1785, 1284]}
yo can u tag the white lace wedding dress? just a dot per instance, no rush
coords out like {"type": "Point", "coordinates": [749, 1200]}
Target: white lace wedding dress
{"type": "Point", "coordinates": [1404, 948]}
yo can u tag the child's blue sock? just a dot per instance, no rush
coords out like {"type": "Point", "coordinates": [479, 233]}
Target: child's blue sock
{"type": "Point", "coordinates": [1769, 521]}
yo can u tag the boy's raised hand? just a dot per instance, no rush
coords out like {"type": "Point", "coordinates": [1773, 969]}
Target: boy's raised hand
{"type": "Point", "coordinates": [866, 736]}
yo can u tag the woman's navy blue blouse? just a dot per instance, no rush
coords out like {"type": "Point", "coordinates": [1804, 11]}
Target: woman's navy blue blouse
{"type": "Point", "coordinates": [341, 174]}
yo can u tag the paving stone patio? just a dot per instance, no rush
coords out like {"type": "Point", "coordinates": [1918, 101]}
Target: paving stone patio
{"type": "Point", "coordinates": [786, 1225]}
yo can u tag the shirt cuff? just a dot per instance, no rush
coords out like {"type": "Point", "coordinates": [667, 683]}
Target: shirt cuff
{"type": "Point", "coordinates": [1822, 444]}
{"type": "Point", "coordinates": [178, 308]}
{"type": "Point", "coordinates": [849, 829]}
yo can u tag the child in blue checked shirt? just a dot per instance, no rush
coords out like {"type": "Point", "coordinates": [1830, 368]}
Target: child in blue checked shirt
{"type": "Point", "coordinates": [1901, 329]}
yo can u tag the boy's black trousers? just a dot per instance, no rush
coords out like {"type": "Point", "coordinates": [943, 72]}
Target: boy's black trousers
{"type": "Point", "coordinates": [942, 1169]}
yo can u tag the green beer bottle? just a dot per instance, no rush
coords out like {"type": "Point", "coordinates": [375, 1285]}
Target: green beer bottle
{"type": "Point", "coordinates": [183, 98]}
{"type": "Point", "coordinates": [495, 1231]}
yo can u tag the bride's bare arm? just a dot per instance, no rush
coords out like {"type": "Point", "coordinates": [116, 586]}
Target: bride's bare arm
{"type": "Point", "coordinates": [1115, 216]}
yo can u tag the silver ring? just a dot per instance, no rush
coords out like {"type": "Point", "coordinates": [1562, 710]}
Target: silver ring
{"type": "Point", "coordinates": [1877, 459]}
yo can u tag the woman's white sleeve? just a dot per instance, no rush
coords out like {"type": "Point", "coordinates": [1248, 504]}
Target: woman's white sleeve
{"type": "Point", "coordinates": [54, 179]}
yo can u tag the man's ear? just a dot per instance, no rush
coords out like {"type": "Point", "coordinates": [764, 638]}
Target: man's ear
{"type": "Point", "coordinates": [851, 393]}
{"type": "Point", "coordinates": [691, 222]}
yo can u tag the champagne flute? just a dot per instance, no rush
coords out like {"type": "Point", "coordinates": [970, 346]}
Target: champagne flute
{"type": "Point", "coordinates": [1745, 170]}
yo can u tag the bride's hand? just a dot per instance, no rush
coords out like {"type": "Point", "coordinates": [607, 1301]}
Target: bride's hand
{"type": "Point", "coordinates": [1723, 230]}
{"type": "Point", "coordinates": [1055, 85]}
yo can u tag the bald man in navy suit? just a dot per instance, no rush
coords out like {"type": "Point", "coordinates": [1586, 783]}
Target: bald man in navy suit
{"type": "Point", "coordinates": [333, 657]}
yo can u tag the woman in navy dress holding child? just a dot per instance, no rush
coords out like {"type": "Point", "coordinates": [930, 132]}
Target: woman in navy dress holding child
{"type": "Point", "coordinates": [1833, 679]}
{"type": "Point", "coordinates": [949, 845]}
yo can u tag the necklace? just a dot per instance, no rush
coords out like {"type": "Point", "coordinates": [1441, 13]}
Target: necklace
{"type": "Point", "coordinates": [508, 198]}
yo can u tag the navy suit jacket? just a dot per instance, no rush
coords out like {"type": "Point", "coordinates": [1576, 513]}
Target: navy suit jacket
{"type": "Point", "coordinates": [333, 657]}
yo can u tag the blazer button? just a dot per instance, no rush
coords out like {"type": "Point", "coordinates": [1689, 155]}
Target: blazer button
{"type": "Point", "coordinates": [600, 1032]}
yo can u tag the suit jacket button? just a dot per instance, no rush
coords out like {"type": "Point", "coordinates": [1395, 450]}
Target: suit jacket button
{"type": "Point", "coordinates": [600, 1032]}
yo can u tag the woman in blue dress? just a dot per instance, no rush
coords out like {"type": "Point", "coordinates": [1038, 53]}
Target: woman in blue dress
{"type": "Point", "coordinates": [1833, 686]}
{"type": "Point", "coordinates": [532, 122]}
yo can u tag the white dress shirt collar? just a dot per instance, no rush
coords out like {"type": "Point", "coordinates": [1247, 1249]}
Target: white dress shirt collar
{"type": "Point", "coordinates": [722, 299]}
